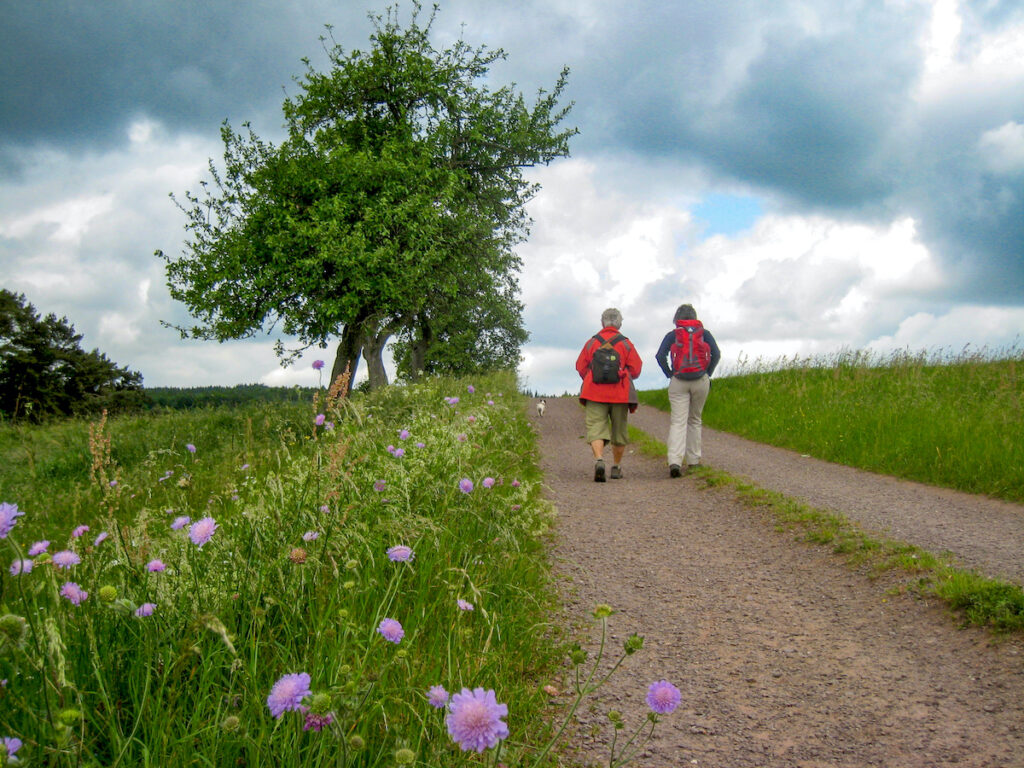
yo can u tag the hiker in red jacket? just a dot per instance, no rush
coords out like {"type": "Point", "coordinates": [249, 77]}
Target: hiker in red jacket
{"type": "Point", "coordinates": [608, 363]}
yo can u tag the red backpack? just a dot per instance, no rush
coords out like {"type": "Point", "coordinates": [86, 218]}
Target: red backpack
{"type": "Point", "coordinates": [689, 353]}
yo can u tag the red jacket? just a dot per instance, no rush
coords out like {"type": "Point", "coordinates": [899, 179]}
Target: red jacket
{"type": "Point", "coordinates": [608, 393]}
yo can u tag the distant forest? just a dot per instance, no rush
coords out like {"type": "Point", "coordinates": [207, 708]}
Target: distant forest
{"type": "Point", "coordinates": [178, 398]}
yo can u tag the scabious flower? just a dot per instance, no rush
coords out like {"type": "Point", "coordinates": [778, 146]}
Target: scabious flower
{"type": "Point", "coordinates": [113, 483]}
{"type": "Point", "coordinates": [180, 522]}
{"type": "Point", "coordinates": [437, 696]}
{"type": "Point", "coordinates": [20, 566]}
{"type": "Point", "coordinates": [403, 434]}
{"type": "Point", "coordinates": [101, 538]}
{"type": "Point", "coordinates": [65, 559]}
{"type": "Point", "coordinates": [391, 630]}
{"type": "Point", "coordinates": [329, 425]}
{"type": "Point", "coordinates": [324, 508]}
{"type": "Point", "coordinates": [461, 437]}
{"type": "Point", "coordinates": [452, 400]}
{"type": "Point", "coordinates": [663, 697]}
{"type": "Point", "coordinates": [379, 486]}
{"type": "Point", "coordinates": [488, 482]}
{"type": "Point", "coordinates": [201, 531]}
{"type": "Point", "coordinates": [13, 745]}
{"type": "Point", "coordinates": [79, 530]}
{"type": "Point", "coordinates": [190, 448]}
{"type": "Point", "coordinates": [464, 605]}
{"type": "Point", "coordinates": [398, 453]}
{"type": "Point", "coordinates": [146, 609]}
{"type": "Point", "coordinates": [155, 566]}
{"type": "Point", "coordinates": [466, 485]}
{"type": "Point", "coordinates": [421, 445]}
{"type": "Point", "coordinates": [243, 467]}
{"type": "Point", "coordinates": [474, 719]}
{"type": "Point", "coordinates": [8, 513]}
{"type": "Point", "coordinates": [471, 419]}
{"type": "Point", "coordinates": [38, 548]}
{"type": "Point", "coordinates": [318, 364]}
{"type": "Point", "coordinates": [471, 389]}
{"type": "Point", "coordinates": [288, 693]}
{"type": "Point", "coordinates": [400, 553]}
{"type": "Point", "coordinates": [310, 536]}
{"type": "Point", "coordinates": [73, 592]}
{"type": "Point", "coordinates": [516, 483]}
{"type": "Point", "coordinates": [320, 419]}
{"type": "Point", "coordinates": [317, 722]}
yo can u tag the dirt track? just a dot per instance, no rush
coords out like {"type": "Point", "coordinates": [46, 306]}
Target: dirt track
{"type": "Point", "coordinates": [784, 655]}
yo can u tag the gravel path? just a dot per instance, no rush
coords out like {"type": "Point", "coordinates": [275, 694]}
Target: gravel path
{"type": "Point", "coordinates": [784, 655]}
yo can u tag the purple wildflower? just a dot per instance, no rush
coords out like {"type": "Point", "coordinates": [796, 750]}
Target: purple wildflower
{"type": "Point", "coordinates": [65, 559]}
{"type": "Point", "coordinates": [490, 402]}
{"type": "Point", "coordinates": [329, 425]}
{"type": "Point", "coordinates": [201, 531]}
{"type": "Point", "coordinates": [452, 400]}
{"type": "Point", "coordinates": [471, 389]}
{"type": "Point", "coordinates": [7, 514]}
{"type": "Point", "coordinates": [310, 536]}
{"type": "Point", "coordinates": [288, 693]}
{"type": "Point", "coordinates": [403, 434]}
{"type": "Point", "coordinates": [466, 485]}
{"type": "Point", "coordinates": [180, 522]}
{"type": "Point", "coordinates": [73, 592]}
{"type": "Point", "coordinates": [324, 508]}
{"type": "Point", "coordinates": [13, 745]}
{"type": "Point", "coordinates": [488, 482]}
{"type": "Point", "coordinates": [471, 419]}
{"type": "Point", "coordinates": [315, 722]}
{"type": "Point", "coordinates": [113, 483]}
{"type": "Point", "coordinates": [155, 566]}
{"type": "Point", "coordinates": [379, 486]}
{"type": "Point", "coordinates": [320, 419]}
{"type": "Point", "coordinates": [399, 453]}
{"type": "Point", "coordinates": [437, 696]}
{"type": "Point", "coordinates": [474, 719]}
{"type": "Point", "coordinates": [20, 566]}
{"type": "Point", "coordinates": [38, 548]}
{"type": "Point", "coordinates": [391, 630]}
{"type": "Point", "coordinates": [421, 445]}
{"type": "Point", "coordinates": [79, 530]}
{"type": "Point", "coordinates": [190, 448]}
{"type": "Point", "coordinates": [146, 609]}
{"type": "Point", "coordinates": [318, 364]}
{"type": "Point", "coordinates": [390, 449]}
{"type": "Point", "coordinates": [400, 553]}
{"type": "Point", "coordinates": [461, 437]}
{"type": "Point", "coordinates": [101, 538]}
{"type": "Point", "coordinates": [516, 483]}
{"type": "Point", "coordinates": [663, 697]}
{"type": "Point", "coordinates": [464, 605]}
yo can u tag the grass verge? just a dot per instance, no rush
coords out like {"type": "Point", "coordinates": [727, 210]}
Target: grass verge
{"type": "Point", "coordinates": [976, 599]}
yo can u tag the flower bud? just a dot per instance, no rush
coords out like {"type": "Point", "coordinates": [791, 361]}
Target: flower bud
{"type": "Point", "coordinates": [108, 593]}
{"type": "Point", "coordinates": [356, 742]}
{"type": "Point", "coordinates": [602, 611]}
{"type": "Point", "coordinates": [13, 630]}
{"type": "Point", "coordinates": [577, 655]}
{"type": "Point", "coordinates": [231, 723]}
{"type": "Point", "coordinates": [633, 644]}
{"type": "Point", "coordinates": [320, 704]}
{"type": "Point", "coordinates": [297, 555]}
{"type": "Point", "coordinates": [405, 756]}
{"type": "Point", "coordinates": [69, 717]}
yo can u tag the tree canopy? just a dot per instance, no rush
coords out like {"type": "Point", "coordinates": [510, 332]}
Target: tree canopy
{"type": "Point", "coordinates": [397, 196]}
{"type": "Point", "coordinates": [44, 371]}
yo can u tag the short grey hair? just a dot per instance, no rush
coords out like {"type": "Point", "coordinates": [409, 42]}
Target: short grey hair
{"type": "Point", "coordinates": [612, 317]}
{"type": "Point", "coordinates": [685, 312]}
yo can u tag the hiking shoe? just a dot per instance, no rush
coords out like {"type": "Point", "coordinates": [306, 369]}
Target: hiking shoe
{"type": "Point", "coordinates": [616, 472]}
{"type": "Point", "coordinates": [674, 470]}
{"type": "Point", "coordinates": [599, 471]}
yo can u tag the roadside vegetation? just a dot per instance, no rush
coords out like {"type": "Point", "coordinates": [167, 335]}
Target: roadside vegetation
{"type": "Point", "coordinates": [275, 584]}
{"type": "Point", "coordinates": [974, 598]}
{"type": "Point", "coordinates": [952, 422]}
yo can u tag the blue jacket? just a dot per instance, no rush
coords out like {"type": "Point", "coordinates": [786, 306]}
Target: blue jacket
{"type": "Point", "coordinates": [662, 355]}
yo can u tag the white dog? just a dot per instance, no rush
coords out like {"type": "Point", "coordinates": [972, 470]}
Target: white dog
{"type": "Point", "coordinates": [541, 405]}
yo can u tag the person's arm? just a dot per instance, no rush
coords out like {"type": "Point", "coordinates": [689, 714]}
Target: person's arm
{"type": "Point", "coordinates": [716, 355]}
{"type": "Point", "coordinates": [583, 361]}
{"type": "Point", "coordinates": [662, 354]}
{"type": "Point", "coordinates": [633, 362]}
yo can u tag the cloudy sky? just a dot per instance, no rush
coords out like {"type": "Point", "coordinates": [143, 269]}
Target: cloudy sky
{"type": "Point", "coordinates": [812, 175]}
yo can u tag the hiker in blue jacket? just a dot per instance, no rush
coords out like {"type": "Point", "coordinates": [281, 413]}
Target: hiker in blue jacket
{"type": "Point", "coordinates": [688, 355]}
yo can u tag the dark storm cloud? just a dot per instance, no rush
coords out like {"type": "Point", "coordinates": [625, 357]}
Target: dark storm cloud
{"type": "Point", "coordinates": [76, 72]}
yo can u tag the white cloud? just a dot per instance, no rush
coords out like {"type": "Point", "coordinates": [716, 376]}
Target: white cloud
{"type": "Point", "coordinates": [1002, 149]}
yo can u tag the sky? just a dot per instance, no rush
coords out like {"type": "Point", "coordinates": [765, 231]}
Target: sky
{"type": "Point", "coordinates": [812, 175]}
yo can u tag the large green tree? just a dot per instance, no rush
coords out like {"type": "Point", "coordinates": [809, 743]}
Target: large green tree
{"type": "Point", "coordinates": [44, 371]}
{"type": "Point", "coordinates": [397, 192]}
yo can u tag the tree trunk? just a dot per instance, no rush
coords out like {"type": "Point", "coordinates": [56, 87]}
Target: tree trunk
{"type": "Point", "coordinates": [418, 350]}
{"type": "Point", "coordinates": [348, 353]}
{"type": "Point", "coordinates": [373, 350]}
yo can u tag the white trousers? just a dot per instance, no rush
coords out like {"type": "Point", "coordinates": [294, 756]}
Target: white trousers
{"type": "Point", "coordinates": [687, 399]}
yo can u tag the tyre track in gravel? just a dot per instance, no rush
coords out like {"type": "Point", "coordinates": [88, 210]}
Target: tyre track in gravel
{"type": "Point", "coordinates": [784, 655]}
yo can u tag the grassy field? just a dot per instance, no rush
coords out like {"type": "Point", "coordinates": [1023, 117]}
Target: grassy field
{"type": "Point", "coordinates": [954, 423]}
{"type": "Point", "coordinates": [252, 587]}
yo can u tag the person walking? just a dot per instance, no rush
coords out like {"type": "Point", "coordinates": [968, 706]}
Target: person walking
{"type": "Point", "coordinates": [608, 363]}
{"type": "Point", "coordinates": [688, 356]}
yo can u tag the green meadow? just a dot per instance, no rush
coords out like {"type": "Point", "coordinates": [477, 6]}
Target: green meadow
{"type": "Point", "coordinates": [955, 422]}
{"type": "Point", "coordinates": [277, 584]}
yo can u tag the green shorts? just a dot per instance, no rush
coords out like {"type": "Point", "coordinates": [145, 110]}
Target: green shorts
{"type": "Point", "coordinates": [607, 421]}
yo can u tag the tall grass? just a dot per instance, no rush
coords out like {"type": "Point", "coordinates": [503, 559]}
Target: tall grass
{"type": "Point", "coordinates": [950, 422]}
{"type": "Point", "coordinates": [295, 579]}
